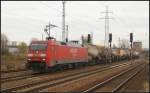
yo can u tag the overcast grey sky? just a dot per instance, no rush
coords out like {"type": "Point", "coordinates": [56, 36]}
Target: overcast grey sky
{"type": "Point", "coordinates": [24, 20]}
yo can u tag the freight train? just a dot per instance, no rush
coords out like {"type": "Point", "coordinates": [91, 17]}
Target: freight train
{"type": "Point", "coordinates": [51, 55]}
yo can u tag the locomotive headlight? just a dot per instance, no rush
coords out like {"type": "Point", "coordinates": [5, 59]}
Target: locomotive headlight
{"type": "Point", "coordinates": [29, 59]}
{"type": "Point", "coordinates": [43, 55]}
{"type": "Point", "coordinates": [43, 59]}
{"type": "Point", "coordinates": [30, 55]}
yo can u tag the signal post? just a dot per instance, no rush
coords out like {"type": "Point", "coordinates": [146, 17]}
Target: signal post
{"type": "Point", "coordinates": [110, 40]}
{"type": "Point", "coordinates": [131, 40]}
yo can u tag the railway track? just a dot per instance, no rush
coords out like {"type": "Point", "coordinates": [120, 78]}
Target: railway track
{"type": "Point", "coordinates": [115, 83]}
{"type": "Point", "coordinates": [53, 82]}
{"type": "Point", "coordinates": [3, 72]}
{"type": "Point", "coordinates": [6, 74]}
{"type": "Point", "coordinates": [19, 77]}
{"type": "Point", "coordinates": [24, 76]}
{"type": "Point", "coordinates": [16, 75]}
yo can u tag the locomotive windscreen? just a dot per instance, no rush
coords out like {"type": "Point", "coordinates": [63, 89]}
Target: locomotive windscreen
{"type": "Point", "coordinates": [38, 46]}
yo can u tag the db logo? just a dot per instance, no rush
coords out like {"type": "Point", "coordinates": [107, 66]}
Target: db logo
{"type": "Point", "coordinates": [36, 51]}
{"type": "Point", "coordinates": [73, 50]}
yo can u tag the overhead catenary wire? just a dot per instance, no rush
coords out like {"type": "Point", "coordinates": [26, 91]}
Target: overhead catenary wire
{"type": "Point", "coordinates": [50, 7]}
{"type": "Point", "coordinates": [33, 25]}
{"type": "Point", "coordinates": [93, 27]}
{"type": "Point", "coordinates": [124, 22]}
{"type": "Point", "coordinates": [106, 43]}
{"type": "Point", "coordinates": [73, 17]}
{"type": "Point", "coordinates": [85, 21]}
{"type": "Point", "coordinates": [119, 18]}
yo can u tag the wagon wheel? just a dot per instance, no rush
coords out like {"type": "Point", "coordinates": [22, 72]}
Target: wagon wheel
{"type": "Point", "coordinates": [54, 69]}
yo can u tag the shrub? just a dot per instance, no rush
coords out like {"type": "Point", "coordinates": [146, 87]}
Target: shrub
{"type": "Point", "coordinates": [4, 51]}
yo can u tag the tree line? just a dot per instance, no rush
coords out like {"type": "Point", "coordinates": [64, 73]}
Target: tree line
{"type": "Point", "coordinates": [22, 47]}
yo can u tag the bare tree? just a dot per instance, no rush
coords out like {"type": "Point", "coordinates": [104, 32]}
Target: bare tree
{"type": "Point", "coordinates": [4, 41]}
{"type": "Point", "coordinates": [4, 44]}
{"type": "Point", "coordinates": [114, 46]}
{"type": "Point", "coordinates": [124, 43]}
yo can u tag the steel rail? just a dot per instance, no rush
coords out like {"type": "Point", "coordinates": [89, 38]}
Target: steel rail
{"type": "Point", "coordinates": [13, 71]}
{"type": "Point", "coordinates": [36, 83]}
{"type": "Point", "coordinates": [91, 89]}
{"type": "Point", "coordinates": [70, 79]}
{"type": "Point", "coordinates": [9, 74]}
{"type": "Point", "coordinates": [19, 77]}
{"type": "Point", "coordinates": [126, 81]}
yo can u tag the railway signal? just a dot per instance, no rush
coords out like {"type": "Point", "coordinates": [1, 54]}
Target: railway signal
{"type": "Point", "coordinates": [66, 33]}
{"type": "Point", "coordinates": [89, 38]}
{"type": "Point", "coordinates": [110, 40]}
{"type": "Point", "coordinates": [110, 37]}
{"type": "Point", "coordinates": [131, 37]}
{"type": "Point", "coordinates": [82, 39]}
{"type": "Point", "coordinates": [131, 40]}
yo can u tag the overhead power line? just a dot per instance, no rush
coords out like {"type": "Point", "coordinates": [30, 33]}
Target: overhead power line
{"type": "Point", "coordinates": [88, 23]}
{"type": "Point", "coordinates": [124, 22]}
{"type": "Point", "coordinates": [50, 7]}
{"type": "Point", "coordinates": [106, 25]}
{"type": "Point", "coordinates": [63, 22]}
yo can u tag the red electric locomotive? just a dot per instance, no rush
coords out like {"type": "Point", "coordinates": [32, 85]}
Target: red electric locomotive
{"type": "Point", "coordinates": [51, 55]}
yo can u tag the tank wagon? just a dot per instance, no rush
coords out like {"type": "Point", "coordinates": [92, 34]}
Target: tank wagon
{"type": "Point", "coordinates": [120, 54]}
{"type": "Point", "coordinates": [98, 54]}
{"type": "Point", "coordinates": [94, 53]}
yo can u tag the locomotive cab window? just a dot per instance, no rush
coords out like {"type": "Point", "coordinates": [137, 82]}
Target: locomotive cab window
{"type": "Point", "coordinates": [38, 46]}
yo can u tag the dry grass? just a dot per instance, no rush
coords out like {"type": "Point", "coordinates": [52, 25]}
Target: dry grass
{"type": "Point", "coordinates": [12, 62]}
